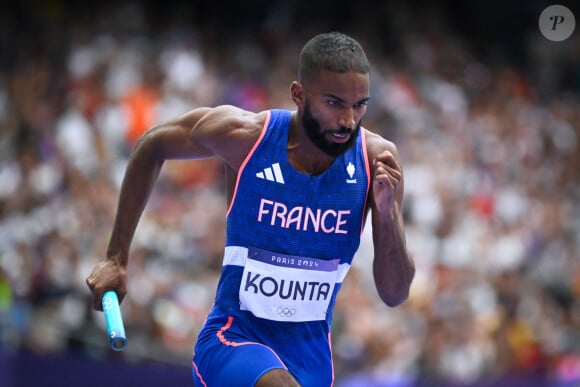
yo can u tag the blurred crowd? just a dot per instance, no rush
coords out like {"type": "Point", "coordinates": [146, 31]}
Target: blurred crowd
{"type": "Point", "coordinates": [490, 151]}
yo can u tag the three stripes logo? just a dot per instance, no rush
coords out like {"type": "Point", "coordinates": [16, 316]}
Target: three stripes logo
{"type": "Point", "coordinates": [273, 173]}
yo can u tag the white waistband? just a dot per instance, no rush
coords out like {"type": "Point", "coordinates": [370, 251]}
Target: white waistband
{"type": "Point", "coordinates": [235, 255]}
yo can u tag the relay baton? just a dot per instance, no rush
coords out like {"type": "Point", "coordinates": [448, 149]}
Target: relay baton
{"type": "Point", "coordinates": [114, 321]}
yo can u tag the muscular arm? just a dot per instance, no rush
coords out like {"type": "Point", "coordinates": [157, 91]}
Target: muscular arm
{"type": "Point", "coordinates": [201, 133]}
{"type": "Point", "coordinates": [393, 268]}
{"type": "Point", "coordinates": [224, 131]}
{"type": "Point", "coordinates": [167, 141]}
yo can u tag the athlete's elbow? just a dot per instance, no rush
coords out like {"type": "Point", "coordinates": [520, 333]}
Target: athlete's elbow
{"type": "Point", "coordinates": [394, 294]}
{"type": "Point", "coordinates": [392, 299]}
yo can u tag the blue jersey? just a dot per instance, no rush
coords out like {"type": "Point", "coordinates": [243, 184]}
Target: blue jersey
{"type": "Point", "coordinates": [290, 241]}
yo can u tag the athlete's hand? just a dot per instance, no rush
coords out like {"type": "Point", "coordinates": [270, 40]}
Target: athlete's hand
{"type": "Point", "coordinates": [107, 275]}
{"type": "Point", "coordinates": [386, 180]}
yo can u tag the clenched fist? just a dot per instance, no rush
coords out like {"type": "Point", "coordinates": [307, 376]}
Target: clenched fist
{"type": "Point", "coordinates": [107, 275]}
{"type": "Point", "coordinates": [387, 176]}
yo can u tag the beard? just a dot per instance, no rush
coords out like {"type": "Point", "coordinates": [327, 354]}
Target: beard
{"type": "Point", "coordinates": [317, 135]}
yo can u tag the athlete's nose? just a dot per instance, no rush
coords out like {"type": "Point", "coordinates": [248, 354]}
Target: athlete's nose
{"type": "Point", "coordinates": [347, 118]}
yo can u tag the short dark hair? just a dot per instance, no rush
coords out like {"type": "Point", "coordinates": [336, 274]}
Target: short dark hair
{"type": "Point", "coordinates": [334, 52]}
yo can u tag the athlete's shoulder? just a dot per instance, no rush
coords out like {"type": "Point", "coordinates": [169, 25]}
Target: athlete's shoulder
{"type": "Point", "coordinates": [377, 144]}
{"type": "Point", "coordinates": [228, 117]}
{"type": "Point", "coordinates": [229, 131]}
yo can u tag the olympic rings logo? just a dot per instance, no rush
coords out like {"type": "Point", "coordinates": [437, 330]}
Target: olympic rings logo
{"type": "Point", "coordinates": [285, 312]}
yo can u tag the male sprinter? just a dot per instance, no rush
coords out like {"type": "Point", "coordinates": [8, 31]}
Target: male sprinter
{"type": "Point", "coordinates": [300, 184]}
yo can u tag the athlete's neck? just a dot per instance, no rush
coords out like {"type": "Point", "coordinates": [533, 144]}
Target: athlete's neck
{"type": "Point", "coordinates": [303, 155]}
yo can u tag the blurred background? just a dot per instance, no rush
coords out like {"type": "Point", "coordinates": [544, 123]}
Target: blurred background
{"type": "Point", "coordinates": [485, 113]}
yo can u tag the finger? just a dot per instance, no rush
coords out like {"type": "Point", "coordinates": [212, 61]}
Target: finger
{"type": "Point", "coordinates": [97, 303]}
{"type": "Point", "coordinates": [389, 159]}
{"type": "Point", "coordinates": [388, 180]}
{"type": "Point", "coordinates": [95, 293]}
{"type": "Point", "coordinates": [386, 170]}
{"type": "Point", "coordinates": [392, 174]}
{"type": "Point", "coordinates": [121, 295]}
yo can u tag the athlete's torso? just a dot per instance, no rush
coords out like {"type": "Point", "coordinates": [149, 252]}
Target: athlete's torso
{"type": "Point", "coordinates": [290, 240]}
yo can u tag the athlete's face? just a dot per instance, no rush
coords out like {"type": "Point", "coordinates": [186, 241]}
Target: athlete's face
{"type": "Point", "coordinates": [333, 142]}
{"type": "Point", "coordinates": [333, 107]}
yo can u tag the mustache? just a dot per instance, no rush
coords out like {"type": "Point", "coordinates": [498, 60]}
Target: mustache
{"type": "Point", "coordinates": [341, 130]}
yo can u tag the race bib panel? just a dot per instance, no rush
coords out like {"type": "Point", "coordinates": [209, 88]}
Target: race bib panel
{"type": "Point", "coordinates": [283, 287]}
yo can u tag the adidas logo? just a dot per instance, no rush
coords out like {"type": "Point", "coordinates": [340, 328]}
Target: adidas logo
{"type": "Point", "coordinates": [273, 173]}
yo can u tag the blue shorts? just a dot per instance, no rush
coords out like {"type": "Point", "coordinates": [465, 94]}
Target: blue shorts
{"type": "Point", "coordinates": [232, 363]}
{"type": "Point", "coordinates": [224, 357]}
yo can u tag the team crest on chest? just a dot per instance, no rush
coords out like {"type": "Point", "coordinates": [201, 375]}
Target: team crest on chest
{"type": "Point", "coordinates": [350, 169]}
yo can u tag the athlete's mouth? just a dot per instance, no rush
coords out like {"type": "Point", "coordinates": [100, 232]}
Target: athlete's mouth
{"type": "Point", "coordinates": [341, 136]}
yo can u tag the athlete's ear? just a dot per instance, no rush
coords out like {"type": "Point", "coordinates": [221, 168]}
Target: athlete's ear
{"type": "Point", "coordinates": [297, 93]}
